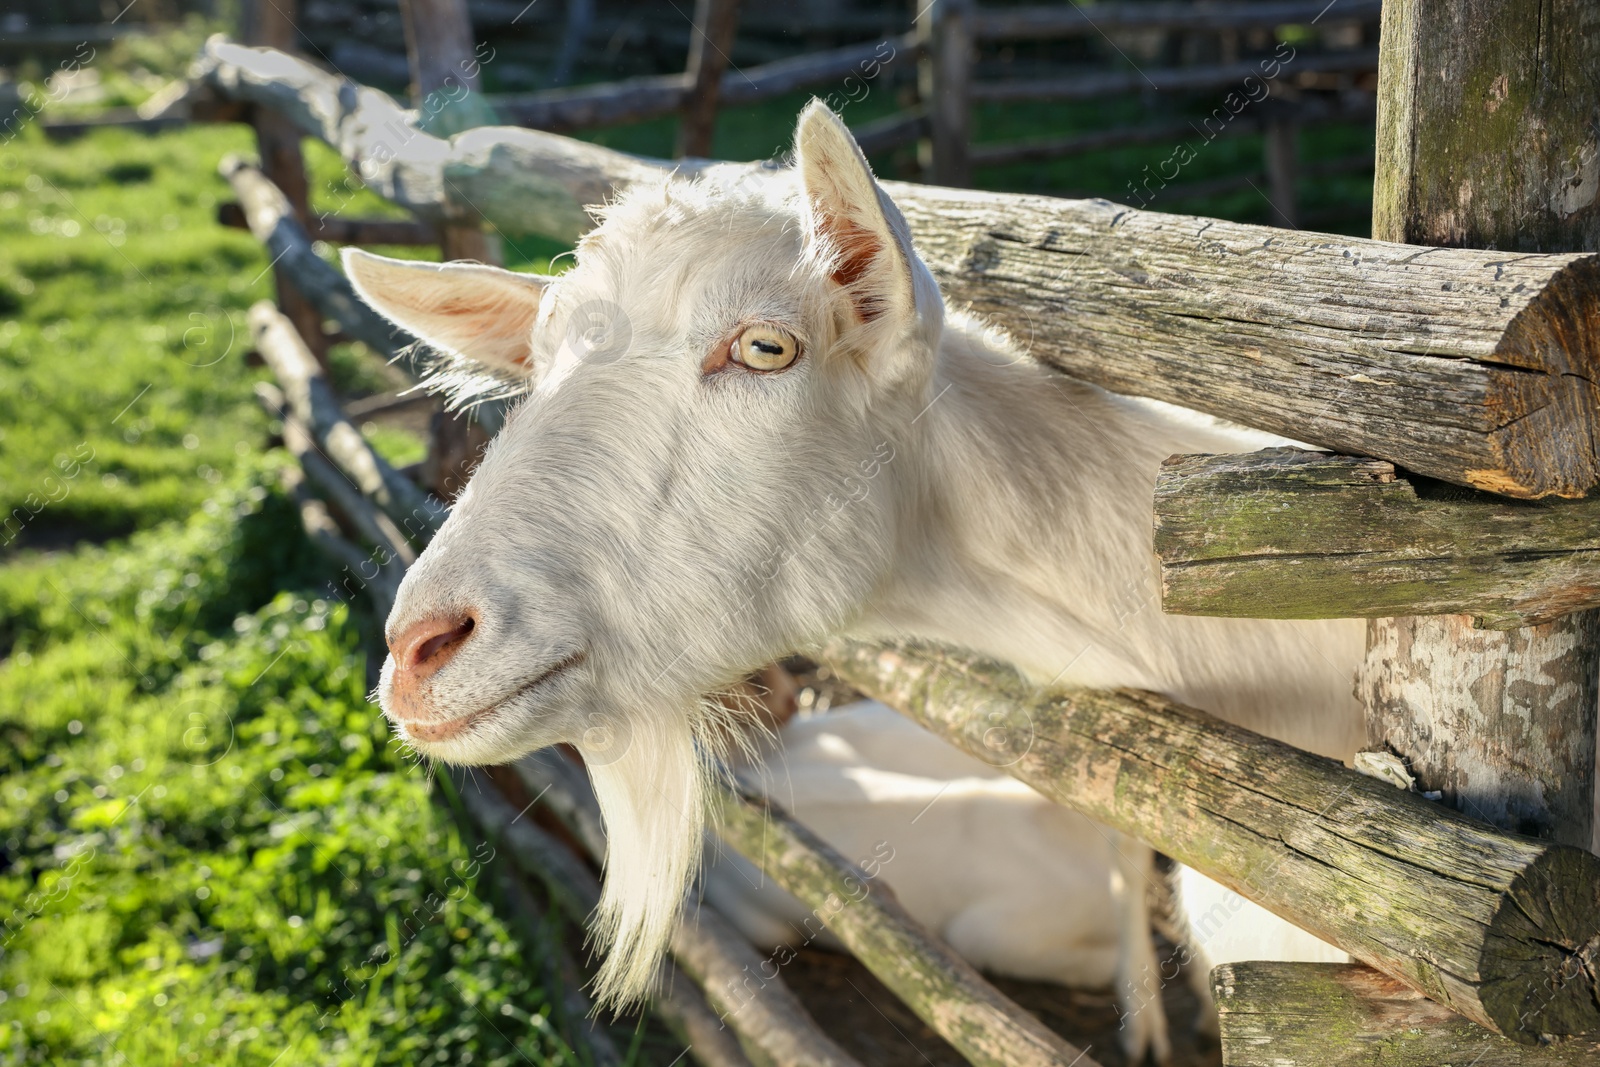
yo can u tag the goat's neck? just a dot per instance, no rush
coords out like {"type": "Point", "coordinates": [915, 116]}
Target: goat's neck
{"type": "Point", "coordinates": [1026, 509]}
{"type": "Point", "coordinates": [1025, 534]}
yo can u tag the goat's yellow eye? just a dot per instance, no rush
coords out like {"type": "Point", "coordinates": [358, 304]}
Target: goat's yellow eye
{"type": "Point", "coordinates": [764, 348]}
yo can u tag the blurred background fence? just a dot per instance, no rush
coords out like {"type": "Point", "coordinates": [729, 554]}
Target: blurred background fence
{"type": "Point", "coordinates": [1254, 110]}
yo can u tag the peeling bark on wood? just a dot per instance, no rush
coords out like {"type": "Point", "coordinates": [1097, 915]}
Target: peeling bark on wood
{"type": "Point", "coordinates": [1347, 1015]}
{"type": "Point", "coordinates": [944, 990]}
{"type": "Point", "coordinates": [1502, 929]}
{"type": "Point", "coordinates": [1502, 723]}
{"type": "Point", "coordinates": [1468, 366]}
{"type": "Point", "coordinates": [1288, 534]}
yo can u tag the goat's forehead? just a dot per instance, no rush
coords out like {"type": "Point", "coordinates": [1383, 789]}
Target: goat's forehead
{"type": "Point", "coordinates": [666, 252]}
{"type": "Point", "coordinates": [697, 215]}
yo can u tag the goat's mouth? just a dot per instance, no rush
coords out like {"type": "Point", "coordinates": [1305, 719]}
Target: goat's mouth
{"type": "Point", "coordinates": [434, 732]}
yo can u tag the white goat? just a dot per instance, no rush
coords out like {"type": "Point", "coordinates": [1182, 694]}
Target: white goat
{"type": "Point", "coordinates": [781, 435]}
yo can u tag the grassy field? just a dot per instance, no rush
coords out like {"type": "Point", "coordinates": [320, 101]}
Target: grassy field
{"type": "Point", "coordinates": [212, 853]}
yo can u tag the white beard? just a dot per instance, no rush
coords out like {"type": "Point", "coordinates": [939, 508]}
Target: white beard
{"type": "Point", "coordinates": [652, 789]}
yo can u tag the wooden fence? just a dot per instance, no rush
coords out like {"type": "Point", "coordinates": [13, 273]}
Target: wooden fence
{"type": "Point", "coordinates": [1468, 368]}
{"type": "Point", "coordinates": [1275, 96]}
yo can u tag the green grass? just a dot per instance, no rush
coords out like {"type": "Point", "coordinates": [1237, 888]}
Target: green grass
{"type": "Point", "coordinates": [214, 854]}
{"type": "Point", "coordinates": [121, 330]}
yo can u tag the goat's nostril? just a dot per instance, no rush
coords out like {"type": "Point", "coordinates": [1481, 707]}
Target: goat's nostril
{"type": "Point", "coordinates": [439, 642]}
{"type": "Point", "coordinates": [430, 644]}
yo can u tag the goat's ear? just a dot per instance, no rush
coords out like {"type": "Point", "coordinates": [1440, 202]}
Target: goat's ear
{"type": "Point", "coordinates": [852, 223]}
{"type": "Point", "coordinates": [481, 313]}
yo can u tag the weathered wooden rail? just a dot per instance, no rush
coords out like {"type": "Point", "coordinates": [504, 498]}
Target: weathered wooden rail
{"type": "Point", "coordinates": [1287, 534]}
{"type": "Point", "coordinates": [267, 213]}
{"type": "Point", "coordinates": [1470, 366]}
{"type": "Point", "coordinates": [1332, 1015]}
{"type": "Point", "coordinates": [1057, 21]}
{"type": "Point", "coordinates": [944, 990]}
{"type": "Point", "coordinates": [637, 99]}
{"type": "Point", "coordinates": [1502, 929]}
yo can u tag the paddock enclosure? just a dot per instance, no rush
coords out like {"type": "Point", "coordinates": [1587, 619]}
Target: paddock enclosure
{"type": "Point", "coordinates": [1449, 366]}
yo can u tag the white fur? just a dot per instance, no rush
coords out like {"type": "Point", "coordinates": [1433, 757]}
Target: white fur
{"type": "Point", "coordinates": [912, 473]}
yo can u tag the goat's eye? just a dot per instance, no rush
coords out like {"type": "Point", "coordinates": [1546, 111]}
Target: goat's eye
{"type": "Point", "coordinates": [764, 348]}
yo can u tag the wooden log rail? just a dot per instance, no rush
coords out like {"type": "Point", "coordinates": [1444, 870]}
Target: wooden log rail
{"type": "Point", "coordinates": [1288, 534]}
{"type": "Point", "coordinates": [311, 399]}
{"type": "Point", "coordinates": [265, 211]}
{"type": "Point", "coordinates": [1474, 367]}
{"type": "Point", "coordinates": [338, 230]}
{"type": "Point", "coordinates": [945, 991]}
{"type": "Point", "coordinates": [1099, 84]}
{"type": "Point", "coordinates": [1055, 146]}
{"type": "Point", "coordinates": [638, 99]}
{"type": "Point", "coordinates": [1502, 929]}
{"type": "Point", "coordinates": [1347, 1015]}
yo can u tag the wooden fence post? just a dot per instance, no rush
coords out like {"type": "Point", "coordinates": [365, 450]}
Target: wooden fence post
{"type": "Point", "coordinates": [944, 77]}
{"type": "Point", "coordinates": [716, 23]}
{"type": "Point", "coordinates": [1485, 139]}
{"type": "Point", "coordinates": [1282, 143]}
{"type": "Point", "coordinates": [439, 47]}
{"type": "Point", "coordinates": [272, 23]}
